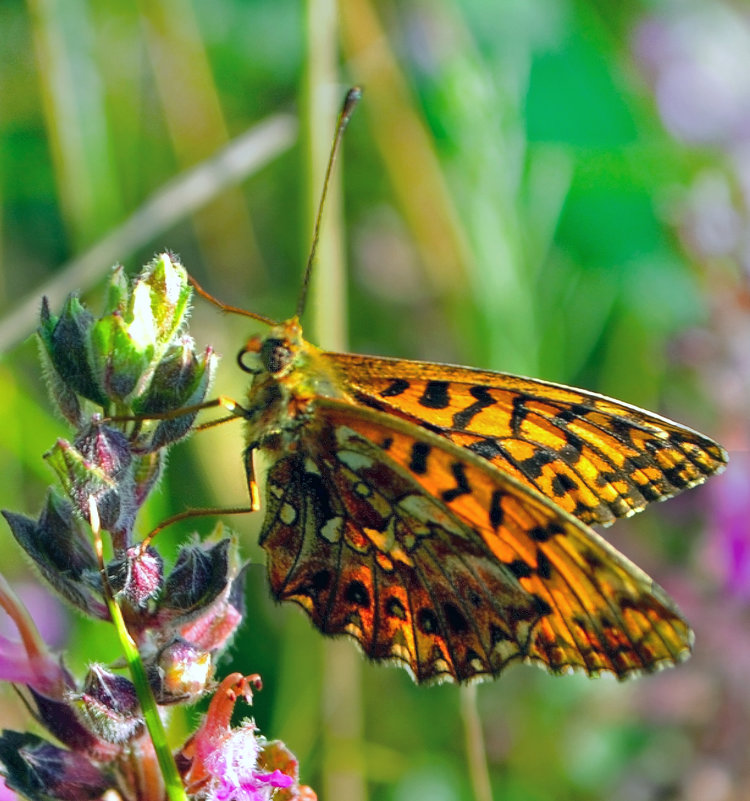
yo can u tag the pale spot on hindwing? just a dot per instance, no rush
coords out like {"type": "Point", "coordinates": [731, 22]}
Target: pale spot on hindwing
{"type": "Point", "coordinates": [311, 467]}
{"type": "Point", "coordinates": [288, 514]}
{"type": "Point", "coordinates": [424, 509]}
{"type": "Point", "coordinates": [331, 531]}
{"type": "Point", "coordinates": [356, 461]}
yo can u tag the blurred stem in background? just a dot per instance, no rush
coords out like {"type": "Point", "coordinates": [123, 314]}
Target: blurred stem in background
{"type": "Point", "coordinates": [341, 691]}
{"type": "Point", "coordinates": [170, 203]}
{"type": "Point", "coordinates": [195, 119]}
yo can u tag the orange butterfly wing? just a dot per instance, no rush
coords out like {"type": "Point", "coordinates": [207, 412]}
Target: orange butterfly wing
{"type": "Point", "coordinates": [428, 555]}
{"type": "Point", "coordinates": [595, 457]}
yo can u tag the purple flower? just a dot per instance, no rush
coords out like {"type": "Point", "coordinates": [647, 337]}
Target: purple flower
{"type": "Point", "coordinates": [232, 767]}
{"type": "Point", "coordinates": [29, 661]}
{"type": "Point", "coordinates": [730, 530]}
{"type": "Point", "coordinates": [699, 61]}
{"type": "Point", "coordinates": [222, 762]}
{"type": "Point", "coordinates": [5, 793]}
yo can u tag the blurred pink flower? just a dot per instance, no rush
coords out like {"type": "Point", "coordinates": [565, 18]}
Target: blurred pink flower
{"type": "Point", "coordinates": [699, 62]}
{"type": "Point", "coordinates": [29, 661]}
{"type": "Point", "coordinates": [729, 526]}
{"type": "Point", "coordinates": [5, 793]}
{"type": "Point", "coordinates": [232, 766]}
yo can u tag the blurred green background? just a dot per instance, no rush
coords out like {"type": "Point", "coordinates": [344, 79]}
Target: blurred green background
{"type": "Point", "coordinates": [552, 187]}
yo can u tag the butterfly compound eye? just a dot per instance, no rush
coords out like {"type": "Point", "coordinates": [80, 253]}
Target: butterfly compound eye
{"type": "Point", "coordinates": [275, 355]}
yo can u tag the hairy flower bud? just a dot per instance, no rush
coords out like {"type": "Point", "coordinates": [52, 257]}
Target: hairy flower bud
{"type": "Point", "coordinates": [122, 351]}
{"type": "Point", "coordinates": [181, 672]}
{"type": "Point", "coordinates": [59, 547]}
{"type": "Point", "coordinates": [39, 770]}
{"type": "Point", "coordinates": [169, 293]}
{"type": "Point", "coordinates": [83, 479]}
{"type": "Point", "coordinates": [108, 706]}
{"type": "Point", "coordinates": [200, 575]}
{"type": "Point", "coordinates": [66, 344]}
{"type": "Point", "coordinates": [181, 379]}
{"type": "Point", "coordinates": [137, 575]}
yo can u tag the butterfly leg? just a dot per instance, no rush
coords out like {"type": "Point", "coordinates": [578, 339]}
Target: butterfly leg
{"type": "Point", "coordinates": [252, 484]}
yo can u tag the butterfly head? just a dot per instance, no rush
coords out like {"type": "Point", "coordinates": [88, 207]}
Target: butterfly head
{"type": "Point", "coordinates": [274, 353]}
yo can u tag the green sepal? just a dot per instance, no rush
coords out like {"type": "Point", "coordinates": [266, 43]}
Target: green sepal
{"type": "Point", "coordinates": [118, 291]}
{"type": "Point", "coordinates": [170, 292]}
{"type": "Point", "coordinates": [66, 340]}
{"type": "Point", "coordinates": [122, 353]}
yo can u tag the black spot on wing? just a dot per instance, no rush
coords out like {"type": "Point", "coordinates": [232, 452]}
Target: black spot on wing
{"type": "Point", "coordinates": [483, 399]}
{"type": "Point", "coordinates": [314, 489]}
{"type": "Point", "coordinates": [605, 478]}
{"type": "Point", "coordinates": [532, 467]}
{"type": "Point", "coordinates": [455, 619]}
{"type": "Point", "coordinates": [497, 635]}
{"type": "Point", "coordinates": [496, 508]}
{"type": "Point", "coordinates": [545, 533]}
{"type": "Point", "coordinates": [427, 621]}
{"type": "Point", "coordinates": [396, 387]}
{"type": "Point", "coordinates": [518, 414]}
{"type": "Point", "coordinates": [562, 484]}
{"type": "Point", "coordinates": [319, 582]}
{"type": "Point", "coordinates": [371, 403]}
{"type": "Point", "coordinates": [519, 568]}
{"type": "Point", "coordinates": [419, 453]}
{"type": "Point", "coordinates": [543, 564]}
{"type": "Point", "coordinates": [576, 411]}
{"type": "Point", "coordinates": [395, 608]}
{"type": "Point", "coordinates": [435, 395]}
{"type": "Point", "coordinates": [541, 605]}
{"type": "Point", "coordinates": [356, 593]}
{"type": "Point", "coordinates": [487, 448]}
{"type": "Point", "coordinates": [462, 485]}
{"type": "Point", "coordinates": [571, 451]}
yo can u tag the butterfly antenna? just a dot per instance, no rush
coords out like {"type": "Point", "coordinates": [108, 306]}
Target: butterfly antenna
{"type": "Point", "coordinates": [350, 101]}
{"type": "Point", "coordinates": [225, 307]}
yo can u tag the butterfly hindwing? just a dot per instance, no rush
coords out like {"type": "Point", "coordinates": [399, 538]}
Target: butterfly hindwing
{"type": "Point", "coordinates": [595, 457]}
{"type": "Point", "coordinates": [428, 555]}
{"type": "Point", "coordinates": [400, 607]}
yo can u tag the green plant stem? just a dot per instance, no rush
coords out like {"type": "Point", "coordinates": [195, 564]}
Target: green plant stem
{"type": "Point", "coordinates": [173, 783]}
{"type": "Point", "coordinates": [475, 749]}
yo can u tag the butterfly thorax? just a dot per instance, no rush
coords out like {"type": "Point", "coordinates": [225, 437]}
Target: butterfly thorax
{"type": "Point", "coordinates": [288, 374]}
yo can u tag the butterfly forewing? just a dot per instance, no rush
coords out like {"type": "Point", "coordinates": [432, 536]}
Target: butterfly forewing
{"type": "Point", "coordinates": [429, 555]}
{"type": "Point", "coordinates": [595, 457]}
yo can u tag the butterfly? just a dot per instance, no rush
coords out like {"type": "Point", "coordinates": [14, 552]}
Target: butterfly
{"type": "Point", "coordinates": [440, 515]}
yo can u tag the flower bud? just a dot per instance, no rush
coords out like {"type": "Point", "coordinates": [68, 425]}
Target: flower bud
{"type": "Point", "coordinates": [137, 575]}
{"type": "Point", "coordinates": [275, 756]}
{"type": "Point", "coordinates": [105, 448]}
{"type": "Point", "coordinates": [200, 575]}
{"type": "Point", "coordinates": [118, 291]}
{"type": "Point", "coordinates": [108, 706]}
{"type": "Point", "coordinates": [66, 343]}
{"type": "Point", "coordinates": [181, 379]}
{"type": "Point", "coordinates": [181, 672]}
{"type": "Point", "coordinates": [59, 547]}
{"type": "Point", "coordinates": [214, 629]}
{"type": "Point", "coordinates": [167, 283]}
{"type": "Point", "coordinates": [82, 479]}
{"type": "Point", "coordinates": [37, 769]}
{"type": "Point", "coordinates": [122, 351]}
